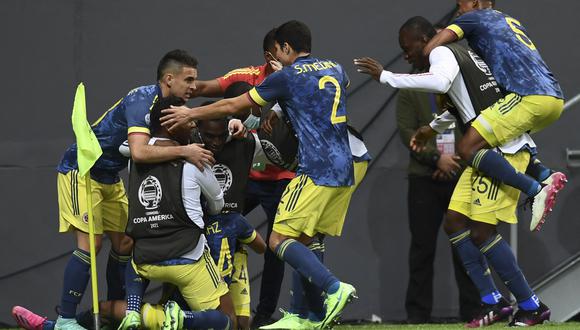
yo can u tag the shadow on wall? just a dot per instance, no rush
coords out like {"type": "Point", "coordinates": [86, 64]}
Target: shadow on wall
{"type": "Point", "coordinates": [389, 237]}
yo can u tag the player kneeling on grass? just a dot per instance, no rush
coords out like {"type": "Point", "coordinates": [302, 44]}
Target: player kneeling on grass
{"type": "Point", "coordinates": [311, 93]}
{"type": "Point", "coordinates": [226, 231]}
{"type": "Point", "coordinates": [166, 223]}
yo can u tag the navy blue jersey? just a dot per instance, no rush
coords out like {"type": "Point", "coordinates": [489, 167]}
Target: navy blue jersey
{"type": "Point", "coordinates": [312, 94]}
{"type": "Point", "coordinates": [503, 43]}
{"type": "Point", "coordinates": [223, 232]}
{"type": "Point", "coordinates": [128, 115]}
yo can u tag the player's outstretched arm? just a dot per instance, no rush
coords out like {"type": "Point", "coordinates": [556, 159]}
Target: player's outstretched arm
{"type": "Point", "coordinates": [208, 88]}
{"type": "Point", "coordinates": [369, 66]}
{"type": "Point", "coordinates": [142, 152]}
{"type": "Point", "coordinates": [178, 116]}
{"type": "Point", "coordinates": [444, 37]}
{"type": "Point", "coordinates": [258, 245]}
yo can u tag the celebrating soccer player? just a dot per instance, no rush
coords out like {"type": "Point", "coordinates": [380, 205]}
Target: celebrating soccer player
{"type": "Point", "coordinates": [311, 93]}
{"type": "Point", "coordinates": [533, 98]}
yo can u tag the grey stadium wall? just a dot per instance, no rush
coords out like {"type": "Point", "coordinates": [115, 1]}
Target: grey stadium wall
{"type": "Point", "coordinates": [114, 46]}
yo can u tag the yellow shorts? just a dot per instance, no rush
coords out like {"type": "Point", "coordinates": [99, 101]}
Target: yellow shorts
{"type": "Point", "coordinates": [199, 283]}
{"type": "Point", "coordinates": [240, 287]}
{"type": "Point", "coordinates": [515, 115]}
{"type": "Point", "coordinates": [110, 205]}
{"type": "Point", "coordinates": [310, 209]}
{"type": "Point", "coordinates": [483, 199]}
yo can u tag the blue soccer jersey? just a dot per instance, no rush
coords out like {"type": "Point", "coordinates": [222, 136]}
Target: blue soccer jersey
{"type": "Point", "coordinates": [223, 232]}
{"type": "Point", "coordinates": [312, 94]}
{"type": "Point", "coordinates": [128, 115]}
{"type": "Point", "coordinates": [503, 43]}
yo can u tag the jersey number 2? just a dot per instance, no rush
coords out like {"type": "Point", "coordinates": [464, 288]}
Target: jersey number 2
{"type": "Point", "coordinates": [334, 119]}
{"type": "Point", "coordinates": [516, 26]}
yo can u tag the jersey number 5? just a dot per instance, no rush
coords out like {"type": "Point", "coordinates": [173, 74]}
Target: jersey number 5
{"type": "Point", "coordinates": [516, 26]}
{"type": "Point", "coordinates": [334, 119]}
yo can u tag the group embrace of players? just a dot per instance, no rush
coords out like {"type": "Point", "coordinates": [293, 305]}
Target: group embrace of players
{"type": "Point", "coordinates": [182, 222]}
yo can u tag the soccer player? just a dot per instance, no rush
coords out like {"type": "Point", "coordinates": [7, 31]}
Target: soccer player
{"type": "Point", "coordinates": [478, 203]}
{"type": "Point", "coordinates": [311, 93]}
{"type": "Point", "coordinates": [267, 184]}
{"type": "Point", "coordinates": [227, 231]}
{"type": "Point", "coordinates": [127, 119]}
{"type": "Point", "coordinates": [307, 301]}
{"type": "Point", "coordinates": [533, 98]}
{"type": "Point", "coordinates": [166, 223]}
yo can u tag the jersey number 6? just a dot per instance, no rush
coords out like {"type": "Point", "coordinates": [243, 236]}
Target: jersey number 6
{"type": "Point", "coordinates": [334, 119]}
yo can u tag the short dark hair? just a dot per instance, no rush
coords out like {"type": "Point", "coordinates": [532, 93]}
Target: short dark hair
{"type": "Point", "coordinates": [296, 34]}
{"type": "Point", "coordinates": [419, 25]}
{"type": "Point", "coordinates": [155, 113]}
{"type": "Point", "coordinates": [174, 61]}
{"type": "Point", "coordinates": [269, 40]}
{"type": "Point", "coordinates": [222, 121]}
{"type": "Point", "coordinates": [236, 89]}
{"type": "Point", "coordinates": [200, 122]}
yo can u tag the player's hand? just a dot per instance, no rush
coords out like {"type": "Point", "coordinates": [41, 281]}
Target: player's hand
{"type": "Point", "coordinates": [369, 66]}
{"type": "Point", "coordinates": [439, 175]}
{"type": "Point", "coordinates": [448, 164]}
{"type": "Point", "coordinates": [176, 116]}
{"type": "Point", "coordinates": [276, 65]}
{"type": "Point", "coordinates": [269, 122]}
{"type": "Point", "coordinates": [237, 129]}
{"type": "Point", "coordinates": [198, 156]}
{"type": "Point", "coordinates": [421, 137]}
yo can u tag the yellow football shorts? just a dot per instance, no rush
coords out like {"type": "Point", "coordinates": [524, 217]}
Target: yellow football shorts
{"type": "Point", "coordinates": [483, 199]}
{"type": "Point", "coordinates": [310, 209]}
{"type": "Point", "coordinates": [240, 286]}
{"type": "Point", "coordinates": [199, 283]}
{"type": "Point", "coordinates": [110, 205]}
{"type": "Point", "coordinates": [515, 115]}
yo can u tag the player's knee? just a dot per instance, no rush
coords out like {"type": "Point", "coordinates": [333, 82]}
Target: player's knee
{"type": "Point", "coordinates": [274, 241]}
{"type": "Point", "coordinates": [480, 234]}
{"type": "Point", "coordinates": [453, 223]}
{"type": "Point", "coordinates": [85, 246]}
{"type": "Point", "coordinates": [243, 322]}
{"type": "Point", "coordinates": [227, 307]}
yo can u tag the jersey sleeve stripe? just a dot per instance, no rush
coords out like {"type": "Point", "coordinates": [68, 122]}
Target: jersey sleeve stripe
{"type": "Point", "coordinates": [136, 129]}
{"type": "Point", "coordinates": [457, 30]}
{"type": "Point", "coordinates": [249, 239]}
{"type": "Point", "coordinates": [256, 98]}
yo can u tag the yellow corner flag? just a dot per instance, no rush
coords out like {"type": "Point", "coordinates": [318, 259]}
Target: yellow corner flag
{"type": "Point", "coordinates": [88, 151]}
{"type": "Point", "coordinates": [88, 148]}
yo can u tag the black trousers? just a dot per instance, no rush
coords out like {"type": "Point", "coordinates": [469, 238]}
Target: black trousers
{"type": "Point", "coordinates": [267, 194]}
{"type": "Point", "coordinates": [427, 202]}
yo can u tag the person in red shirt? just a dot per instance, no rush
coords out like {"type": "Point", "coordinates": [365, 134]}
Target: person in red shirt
{"type": "Point", "coordinates": [265, 187]}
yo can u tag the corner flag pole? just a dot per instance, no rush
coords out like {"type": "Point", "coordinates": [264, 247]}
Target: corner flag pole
{"type": "Point", "coordinates": [88, 152]}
